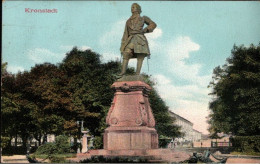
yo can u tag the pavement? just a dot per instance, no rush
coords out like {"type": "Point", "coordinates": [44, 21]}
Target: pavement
{"type": "Point", "coordinates": [14, 159]}
{"type": "Point", "coordinates": [242, 160]}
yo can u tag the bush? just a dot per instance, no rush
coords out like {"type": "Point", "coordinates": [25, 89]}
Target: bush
{"type": "Point", "coordinates": [246, 143]}
{"type": "Point", "coordinates": [57, 159]}
{"type": "Point", "coordinates": [164, 142]}
{"type": "Point", "coordinates": [98, 142]}
{"type": "Point", "coordinates": [47, 148]}
{"type": "Point", "coordinates": [4, 141]}
{"type": "Point", "coordinates": [122, 159]}
{"type": "Point", "coordinates": [60, 146]}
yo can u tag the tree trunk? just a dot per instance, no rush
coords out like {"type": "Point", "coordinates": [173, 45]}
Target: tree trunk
{"type": "Point", "coordinates": [15, 140]}
{"type": "Point", "coordinates": [44, 139]}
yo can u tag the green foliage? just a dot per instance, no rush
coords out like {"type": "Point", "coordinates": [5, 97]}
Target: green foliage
{"type": "Point", "coordinates": [120, 159]}
{"type": "Point", "coordinates": [57, 159]}
{"type": "Point", "coordinates": [60, 146]}
{"type": "Point", "coordinates": [98, 142]}
{"type": "Point", "coordinates": [246, 143]}
{"type": "Point", "coordinates": [47, 148]}
{"type": "Point", "coordinates": [4, 141]}
{"type": "Point", "coordinates": [50, 99]}
{"type": "Point", "coordinates": [54, 158]}
{"type": "Point", "coordinates": [235, 87]}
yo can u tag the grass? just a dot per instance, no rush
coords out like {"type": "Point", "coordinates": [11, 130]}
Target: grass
{"type": "Point", "coordinates": [43, 156]}
{"type": "Point", "coordinates": [245, 153]}
{"type": "Point", "coordinates": [55, 158]}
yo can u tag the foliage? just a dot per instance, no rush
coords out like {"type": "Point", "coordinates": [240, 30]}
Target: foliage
{"type": "Point", "coordinates": [4, 142]}
{"type": "Point", "coordinates": [50, 99]}
{"type": "Point", "coordinates": [43, 156]}
{"type": "Point", "coordinates": [235, 106]}
{"type": "Point", "coordinates": [54, 158]}
{"type": "Point", "coordinates": [60, 146]}
{"type": "Point", "coordinates": [246, 143]}
{"type": "Point", "coordinates": [98, 142]}
{"type": "Point", "coordinates": [47, 148]}
{"type": "Point", "coordinates": [57, 159]}
{"type": "Point", "coordinates": [120, 159]}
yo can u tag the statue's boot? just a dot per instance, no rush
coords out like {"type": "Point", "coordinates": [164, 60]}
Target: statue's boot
{"type": "Point", "coordinates": [124, 67]}
{"type": "Point", "coordinates": [139, 65]}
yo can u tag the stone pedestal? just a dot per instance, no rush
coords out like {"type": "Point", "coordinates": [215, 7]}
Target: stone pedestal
{"type": "Point", "coordinates": [130, 118]}
{"type": "Point", "coordinates": [84, 142]}
{"type": "Point", "coordinates": [131, 123]}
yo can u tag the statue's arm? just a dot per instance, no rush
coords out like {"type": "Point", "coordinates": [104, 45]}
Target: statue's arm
{"type": "Point", "coordinates": [150, 25]}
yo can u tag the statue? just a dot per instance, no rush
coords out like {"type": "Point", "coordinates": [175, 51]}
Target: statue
{"type": "Point", "coordinates": [134, 43]}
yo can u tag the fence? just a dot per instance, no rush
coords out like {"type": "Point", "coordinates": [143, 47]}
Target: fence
{"type": "Point", "coordinates": [221, 144]}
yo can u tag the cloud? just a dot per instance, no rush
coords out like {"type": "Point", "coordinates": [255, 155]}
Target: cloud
{"type": "Point", "coordinates": [41, 55]}
{"type": "Point", "coordinates": [177, 52]}
{"type": "Point", "coordinates": [154, 45]}
{"type": "Point", "coordinates": [189, 101]}
{"type": "Point", "coordinates": [83, 48]}
{"type": "Point", "coordinates": [113, 35]}
{"type": "Point", "coordinates": [110, 41]}
{"type": "Point", "coordinates": [108, 56]}
{"type": "Point", "coordinates": [155, 34]}
{"type": "Point", "coordinates": [14, 69]}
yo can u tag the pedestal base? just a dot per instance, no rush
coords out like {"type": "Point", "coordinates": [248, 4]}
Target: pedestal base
{"type": "Point", "coordinates": [130, 138]}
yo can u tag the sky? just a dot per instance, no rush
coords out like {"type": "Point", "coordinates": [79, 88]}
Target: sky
{"type": "Point", "coordinates": [191, 39]}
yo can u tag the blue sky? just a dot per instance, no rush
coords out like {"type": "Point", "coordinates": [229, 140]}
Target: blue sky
{"type": "Point", "coordinates": [191, 39]}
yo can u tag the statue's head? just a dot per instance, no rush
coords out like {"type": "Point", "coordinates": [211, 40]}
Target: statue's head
{"type": "Point", "coordinates": [136, 8]}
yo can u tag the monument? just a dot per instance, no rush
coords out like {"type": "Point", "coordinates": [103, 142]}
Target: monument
{"type": "Point", "coordinates": [130, 118]}
{"type": "Point", "coordinates": [131, 122]}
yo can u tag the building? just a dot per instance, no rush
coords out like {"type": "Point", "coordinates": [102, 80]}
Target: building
{"type": "Point", "coordinates": [190, 134]}
{"type": "Point", "coordinates": [197, 136]}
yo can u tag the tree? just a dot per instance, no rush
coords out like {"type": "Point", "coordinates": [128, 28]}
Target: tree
{"type": "Point", "coordinates": [235, 106]}
{"type": "Point", "coordinates": [89, 83]}
{"type": "Point", "coordinates": [50, 99]}
{"type": "Point", "coordinates": [164, 122]}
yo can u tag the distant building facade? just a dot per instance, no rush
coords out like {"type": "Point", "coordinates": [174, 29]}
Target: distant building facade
{"type": "Point", "coordinates": [197, 136]}
{"type": "Point", "coordinates": [191, 134]}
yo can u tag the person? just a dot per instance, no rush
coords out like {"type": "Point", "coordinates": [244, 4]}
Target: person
{"type": "Point", "coordinates": [134, 44]}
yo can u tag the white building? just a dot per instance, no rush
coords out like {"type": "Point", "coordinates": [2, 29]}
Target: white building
{"type": "Point", "coordinates": [196, 135]}
{"type": "Point", "coordinates": [187, 128]}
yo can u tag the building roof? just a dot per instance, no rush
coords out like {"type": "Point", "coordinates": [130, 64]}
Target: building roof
{"type": "Point", "coordinates": [178, 116]}
{"type": "Point", "coordinates": [197, 131]}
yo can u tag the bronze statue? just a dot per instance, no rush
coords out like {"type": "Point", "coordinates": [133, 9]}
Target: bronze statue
{"type": "Point", "coordinates": [134, 43]}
